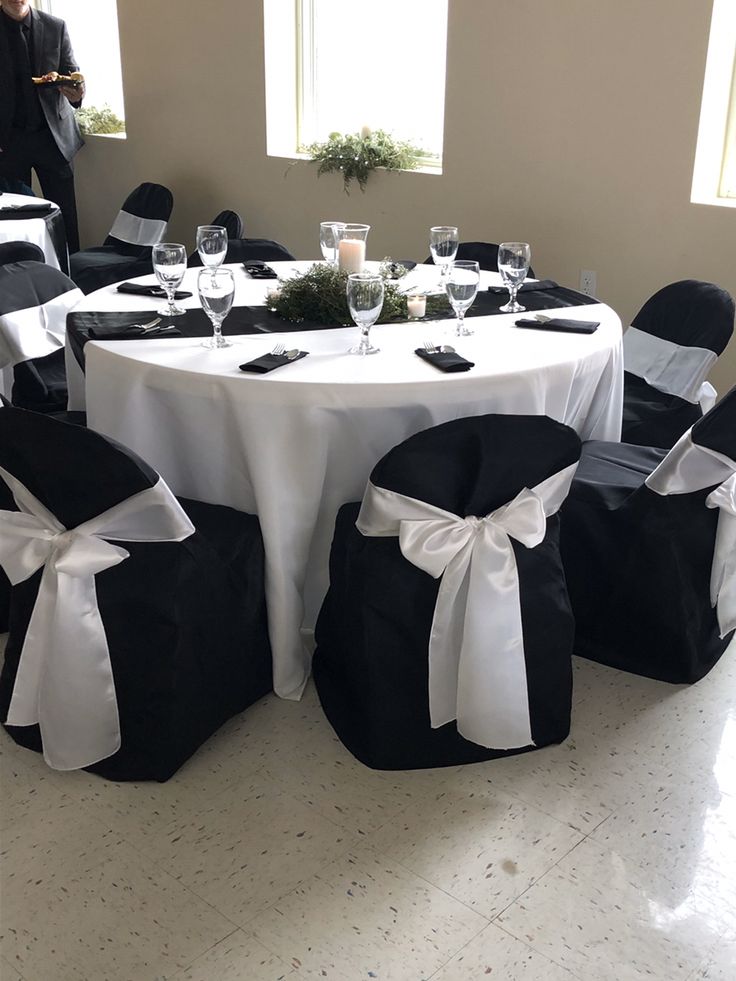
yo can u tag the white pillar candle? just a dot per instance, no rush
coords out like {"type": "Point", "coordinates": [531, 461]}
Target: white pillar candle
{"type": "Point", "coordinates": [416, 305]}
{"type": "Point", "coordinates": [351, 255]}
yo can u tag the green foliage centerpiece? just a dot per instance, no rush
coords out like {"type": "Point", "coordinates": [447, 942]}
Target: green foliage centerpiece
{"type": "Point", "coordinates": [355, 155]}
{"type": "Point", "coordinates": [319, 295]}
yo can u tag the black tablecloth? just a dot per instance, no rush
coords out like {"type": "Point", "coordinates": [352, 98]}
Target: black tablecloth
{"type": "Point", "coordinates": [261, 320]}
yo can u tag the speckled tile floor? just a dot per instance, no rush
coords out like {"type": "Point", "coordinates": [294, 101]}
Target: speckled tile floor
{"type": "Point", "coordinates": [274, 855]}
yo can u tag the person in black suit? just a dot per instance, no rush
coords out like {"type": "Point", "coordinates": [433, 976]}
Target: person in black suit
{"type": "Point", "coordinates": [37, 126]}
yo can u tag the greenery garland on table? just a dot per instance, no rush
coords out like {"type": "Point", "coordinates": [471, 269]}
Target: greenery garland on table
{"type": "Point", "coordinates": [355, 155]}
{"type": "Point", "coordinates": [319, 295]}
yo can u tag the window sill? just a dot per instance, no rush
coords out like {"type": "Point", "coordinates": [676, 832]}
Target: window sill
{"type": "Point", "coordinates": [714, 201]}
{"type": "Point", "coordinates": [106, 136]}
{"type": "Point", "coordinates": [297, 157]}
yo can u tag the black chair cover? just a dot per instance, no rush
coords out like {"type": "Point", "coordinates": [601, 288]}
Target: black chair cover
{"type": "Point", "coordinates": [39, 383]}
{"type": "Point", "coordinates": [243, 249]}
{"type": "Point", "coordinates": [689, 313]}
{"type": "Point", "coordinates": [20, 252]}
{"type": "Point", "coordinates": [115, 259]}
{"type": "Point", "coordinates": [13, 186]}
{"type": "Point", "coordinates": [638, 564]}
{"type": "Point", "coordinates": [233, 225]}
{"type": "Point", "coordinates": [484, 253]}
{"type": "Point", "coordinates": [371, 662]}
{"type": "Point", "coordinates": [185, 622]}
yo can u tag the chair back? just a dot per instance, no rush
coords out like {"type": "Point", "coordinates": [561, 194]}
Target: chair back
{"type": "Point", "coordinates": [142, 220]}
{"type": "Point", "coordinates": [11, 186]}
{"type": "Point", "coordinates": [484, 253]}
{"type": "Point", "coordinates": [243, 249]}
{"type": "Point", "coordinates": [233, 225]}
{"type": "Point", "coordinates": [34, 301]}
{"type": "Point", "coordinates": [20, 252]}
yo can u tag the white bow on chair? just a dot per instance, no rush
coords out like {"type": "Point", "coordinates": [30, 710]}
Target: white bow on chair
{"type": "Point", "coordinates": [690, 467]}
{"type": "Point", "coordinates": [477, 671]}
{"type": "Point", "coordinates": [64, 680]}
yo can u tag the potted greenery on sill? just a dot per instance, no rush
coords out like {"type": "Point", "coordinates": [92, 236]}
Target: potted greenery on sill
{"type": "Point", "coordinates": [355, 155]}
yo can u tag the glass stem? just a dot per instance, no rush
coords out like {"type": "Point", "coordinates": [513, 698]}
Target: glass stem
{"type": "Point", "coordinates": [514, 291]}
{"type": "Point", "coordinates": [460, 322]}
{"type": "Point", "coordinates": [170, 295]}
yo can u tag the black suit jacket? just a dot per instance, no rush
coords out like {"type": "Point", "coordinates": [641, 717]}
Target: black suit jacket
{"type": "Point", "coordinates": [52, 53]}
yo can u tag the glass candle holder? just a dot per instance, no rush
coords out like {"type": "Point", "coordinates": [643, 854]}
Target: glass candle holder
{"type": "Point", "coordinates": [351, 247]}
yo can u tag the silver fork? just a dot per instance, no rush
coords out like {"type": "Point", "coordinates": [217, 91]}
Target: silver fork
{"type": "Point", "coordinates": [278, 349]}
{"type": "Point", "coordinates": [145, 327]}
{"type": "Point", "coordinates": [430, 348]}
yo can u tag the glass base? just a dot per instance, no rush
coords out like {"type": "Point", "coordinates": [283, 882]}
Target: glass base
{"type": "Point", "coordinates": [171, 310]}
{"type": "Point", "coordinates": [512, 308]}
{"type": "Point", "coordinates": [213, 343]}
{"type": "Point", "coordinates": [364, 349]}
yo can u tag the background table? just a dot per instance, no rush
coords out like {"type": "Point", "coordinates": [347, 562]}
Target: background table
{"type": "Point", "coordinates": [295, 444]}
{"type": "Point", "coordinates": [47, 232]}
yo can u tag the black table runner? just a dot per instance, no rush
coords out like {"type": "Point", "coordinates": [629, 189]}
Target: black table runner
{"type": "Point", "coordinates": [261, 320]}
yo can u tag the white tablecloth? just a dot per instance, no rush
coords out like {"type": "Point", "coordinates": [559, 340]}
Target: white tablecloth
{"type": "Point", "coordinates": [33, 230]}
{"type": "Point", "coordinates": [295, 444]}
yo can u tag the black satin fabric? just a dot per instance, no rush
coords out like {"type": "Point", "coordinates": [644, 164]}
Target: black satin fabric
{"type": "Point", "coordinates": [371, 661]}
{"type": "Point", "coordinates": [717, 429]}
{"type": "Point", "coordinates": [39, 383]}
{"type": "Point", "coordinates": [689, 313]}
{"type": "Point", "coordinates": [638, 566]}
{"type": "Point", "coordinates": [185, 621]}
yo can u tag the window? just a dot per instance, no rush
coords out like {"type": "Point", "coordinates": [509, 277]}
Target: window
{"type": "Point", "coordinates": [93, 29]}
{"type": "Point", "coordinates": [340, 65]}
{"type": "Point", "coordinates": [714, 177]}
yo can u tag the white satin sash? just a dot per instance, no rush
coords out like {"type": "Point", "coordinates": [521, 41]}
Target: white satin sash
{"type": "Point", "coordinates": [670, 367]}
{"type": "Point", "coordinates": [690, 467]}
{"type": "Point", "coordinates": [64, 680]}
{"type": "Point", "coordinates": [477, 671]}
{"type": "Point", "coordinates": [137, 231]}
{"type": "Point", "coordinates": [35, 331]}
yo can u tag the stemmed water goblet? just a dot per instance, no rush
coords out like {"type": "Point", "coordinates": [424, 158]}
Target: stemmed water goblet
{"type": "Point", "coordinates": [329, 238]}
{"type": "Point", "coordinates": [462, 288]}
{"type": "Point", "coordinates": [365, 301]}
{"type": "Point", "coordinates": [216, 290]}
{"type": "Point", "coordinates": [212, 245]}
{"type": "Point", "coordinates": [513, 264]}
{"type": "Point", "coordinates": [169, 264]}
{"type": "Point", "coordinates": [443, 243]}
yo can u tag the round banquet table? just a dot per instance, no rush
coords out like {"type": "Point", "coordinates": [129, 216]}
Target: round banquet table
{"type": "Point", "coordinates": [46, 232]}
{"type": "Point", "coordinates": [293, 445]}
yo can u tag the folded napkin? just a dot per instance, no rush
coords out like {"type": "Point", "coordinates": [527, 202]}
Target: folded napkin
{"type": "Point", "coordinates": [137, 290]}
{"type": "Point", "coordinates": [25, 210]}
{"type": "Point", "coordinates": [559, 323]}
{"type": "Point", "coordinates": [445, 360]}
{"type": "Point", "coordinates": [257, 269]}
{"type": "Point", "coordinates": [542, 284]}
{"type": "Point", "coordinates": [102, 333]}
{"type": "Point", "coordinates": [267, 362]}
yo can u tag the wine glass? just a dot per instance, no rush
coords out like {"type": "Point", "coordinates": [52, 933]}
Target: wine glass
{"type": "Point", "coordinates": [216, 290]}
{"type": "Point", "coordinates": [170, 263]}
{"type": "Point", "coordinates": [365, 300]}
{"type": "Point", "coordinates": [513, 264]}
{"type": "Point", "coordinates": [462, 288]}
{"type": "Point", "coordinates": [212, 245]}
{"type": "Point", "coordinates": [443, 242]}
{"type": "Point", "coordinates": [329, 237]}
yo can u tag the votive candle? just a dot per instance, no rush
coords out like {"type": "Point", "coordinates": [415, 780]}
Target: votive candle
{"type": "Point", "coordinates": [416, 305]}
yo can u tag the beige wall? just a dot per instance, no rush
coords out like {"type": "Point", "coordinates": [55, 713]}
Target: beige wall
{"type": "Point", "coordinates": [569, 124]}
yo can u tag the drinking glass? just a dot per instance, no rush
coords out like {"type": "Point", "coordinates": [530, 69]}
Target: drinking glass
{"type": "Point", "coordinates": [329, 240]}
{"type": "Point", "coordinates": [462, 287]}
{"type": "Point", "coordinates": [212, 245]}
{"type": "Point", "coordinates": [443, 242]}
{"type": "Point", "coordinates": [170, 264]}
{"type": "Point", "coordinates": [365, 300]}
{"type": "Point", "coordinates": [513, 264]}
{"type": "Point", "coordinates": [216, 290]}
{"type": "Point", "coordinates": [351, 246]}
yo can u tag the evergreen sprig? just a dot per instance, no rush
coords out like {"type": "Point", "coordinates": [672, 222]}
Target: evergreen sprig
{"type": "Point", "coordinates": [355, 156]}
{"type": "Point", "coordinates": [320, 295]}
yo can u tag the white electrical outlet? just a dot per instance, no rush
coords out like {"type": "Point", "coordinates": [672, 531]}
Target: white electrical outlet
{"type": "Point", "coordinates": [588, 282]}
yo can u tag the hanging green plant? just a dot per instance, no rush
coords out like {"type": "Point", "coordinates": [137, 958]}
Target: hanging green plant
{"type": "Point", "coordinates": [319, 295]}
{"type": "Point", "coordinates": [355, 155]}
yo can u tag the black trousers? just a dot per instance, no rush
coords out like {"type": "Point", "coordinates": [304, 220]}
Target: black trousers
{"type": "Point", "coordinates": [38, 151]}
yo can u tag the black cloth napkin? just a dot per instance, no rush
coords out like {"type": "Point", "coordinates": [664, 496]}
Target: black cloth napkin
{"type": "Point", "coordinates": [257, 269]}
{"type": "Point", "coordinates": [561, 324]}
{"type": "Point", "coordinates": [445, 360]}
{"type": "Point", "coordinates": [137, 290]}
{"type": "Point", "coordinates": [25, 211]}
{"type": "Point", "coordinates": [541, 284]}
{"type": "Point", "coordinates": [267, 362]}
{"type": "Point", "coordinates": [108, 333]}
